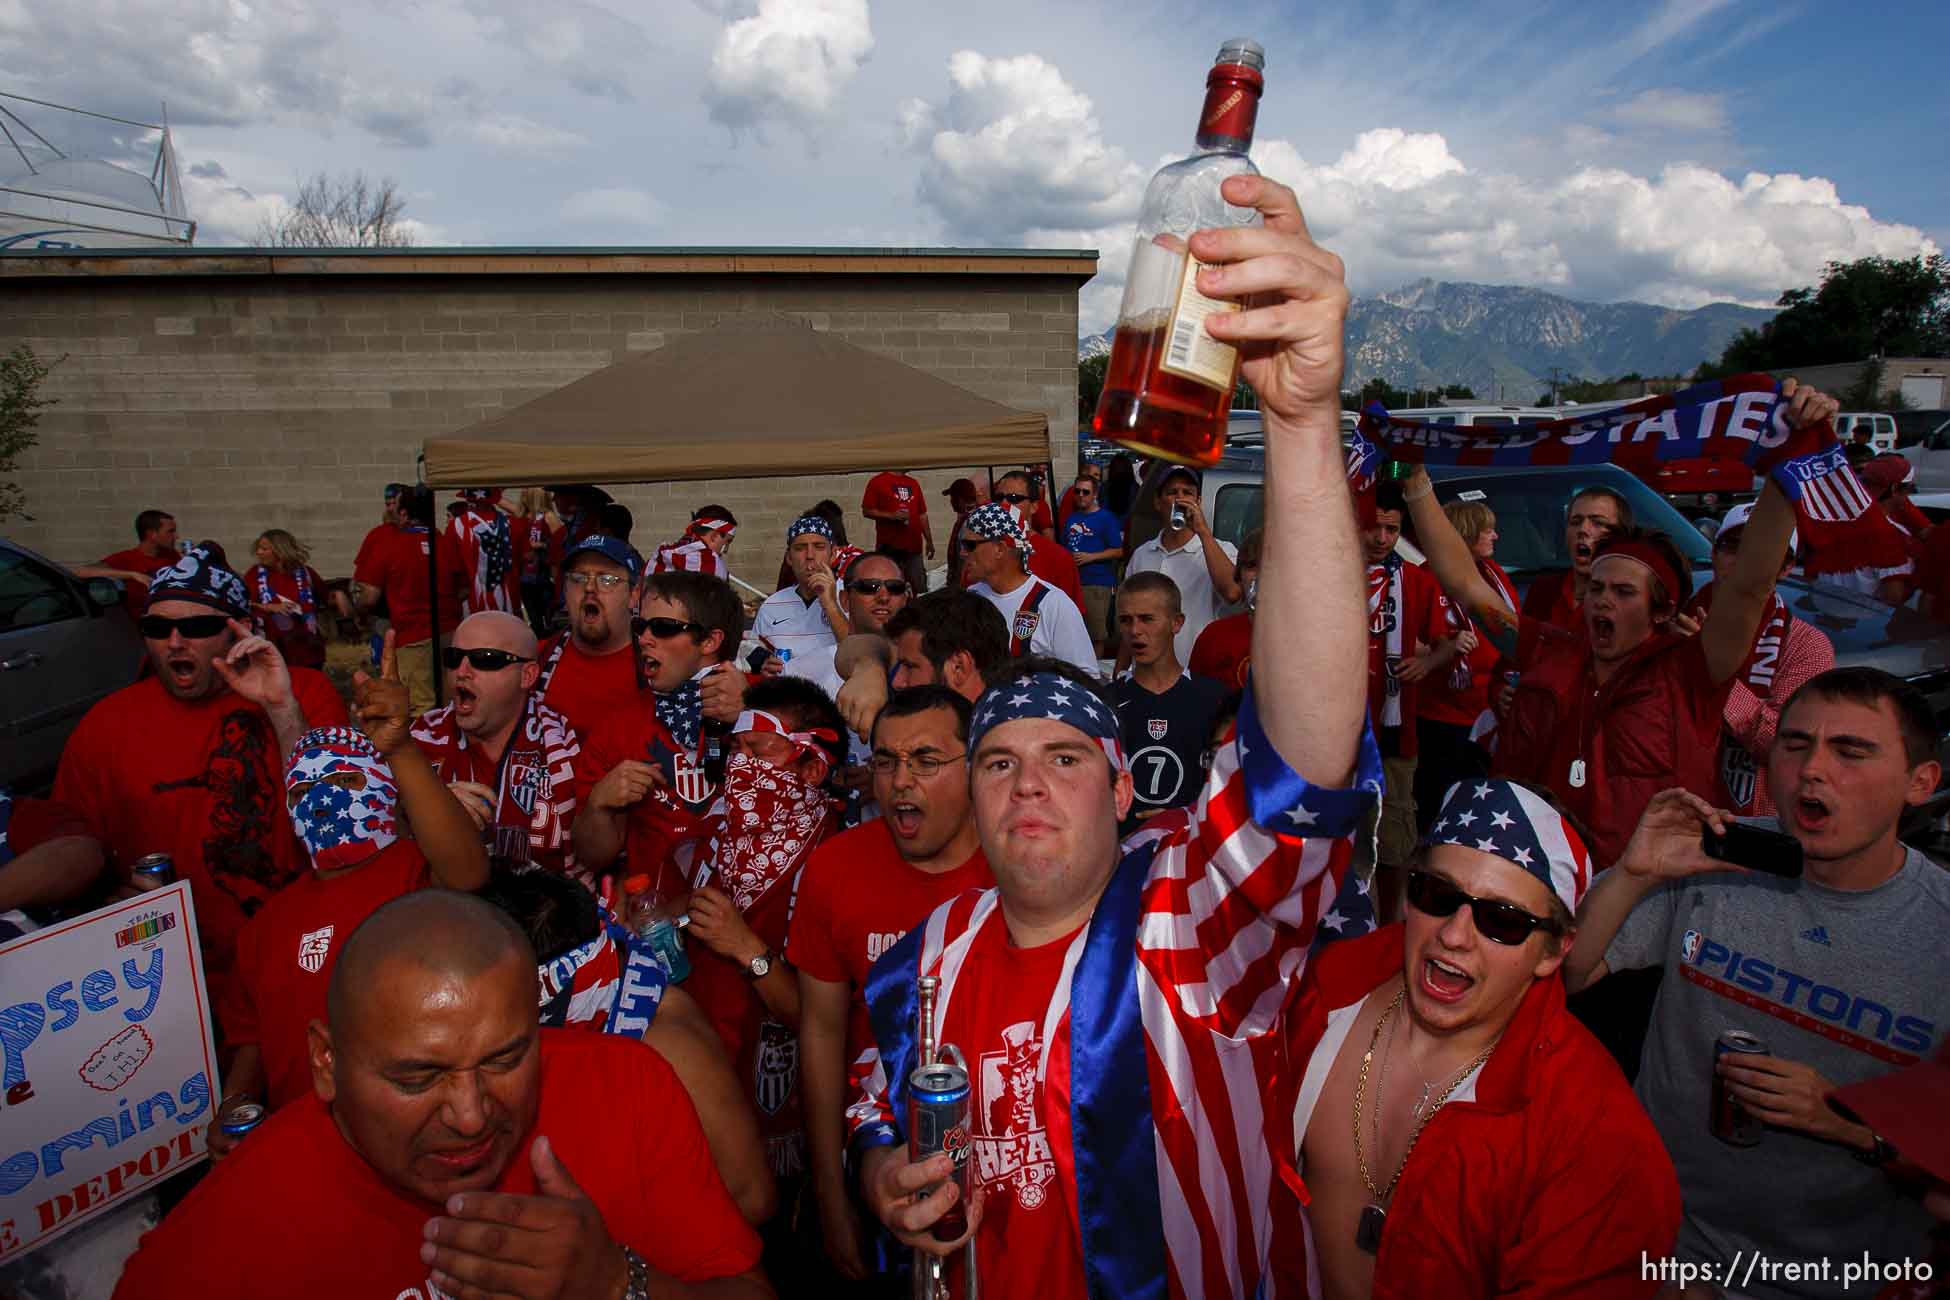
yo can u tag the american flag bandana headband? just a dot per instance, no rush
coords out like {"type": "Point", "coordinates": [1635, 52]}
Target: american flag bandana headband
{"type": "Point", "coordinates": [1052, 696]}
{"type": "Point", "coordinates": [1504, 819]}
{"type": "Point", "coordinates": [711, 524]}
{"type": "Point", "coordinates": [341, 826]}
{"type": "Point", "coordinates": [809, 524]}
{"type": "Point", "coordinates": [997, 522]}
{"type": "Point", "coordinates": [771, 724]}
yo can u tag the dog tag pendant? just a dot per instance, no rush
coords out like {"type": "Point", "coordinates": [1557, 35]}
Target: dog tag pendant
{"type": "Point", "coordinates": [1367, 1233]}
{"type": "Point", "coordinates": [1577, 774]}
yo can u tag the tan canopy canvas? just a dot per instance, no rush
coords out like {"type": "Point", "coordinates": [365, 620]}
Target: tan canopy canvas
{"type": "Point", "coordinates": [756, 397]}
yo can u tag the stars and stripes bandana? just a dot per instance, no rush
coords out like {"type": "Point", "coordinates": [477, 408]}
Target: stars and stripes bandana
{"type": "Point", "coordinates": [1052, 696]}
{"type": "Point", "coordinates": [998, 522]}
{"type": "Point", "coordinates": [682, 712]}
{"type": "Point", "coordinates": [340, 791]}
{"type": "Point", "coordinates": [1740, 418]}
{"type": "Point", "coordinates": [809, 524]}
{"type": "Point", "coordinates": [804, 742]}
{"type": "Point", "coordinates": [1503, 818]}
{"type": "Point", "coordinates": [199, 578]}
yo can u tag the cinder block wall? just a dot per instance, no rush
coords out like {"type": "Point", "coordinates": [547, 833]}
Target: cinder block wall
{"type": "Point", "coordinates": [244, 402]}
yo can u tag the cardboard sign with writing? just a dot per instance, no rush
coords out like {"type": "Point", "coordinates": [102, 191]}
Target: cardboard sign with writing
{"type": "Point", "coordinates": [107, 1065]}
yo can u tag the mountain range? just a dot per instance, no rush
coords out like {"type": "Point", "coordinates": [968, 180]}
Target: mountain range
{"type": "Point", "coordinates": [1504, 341]}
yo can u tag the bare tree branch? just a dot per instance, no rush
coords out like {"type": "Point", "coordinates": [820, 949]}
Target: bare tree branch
{"type": "Point", "coordinates": [345, 211]}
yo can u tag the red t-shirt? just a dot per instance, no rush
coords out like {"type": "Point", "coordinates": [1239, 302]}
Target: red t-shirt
{"type": "Point", "coordinates": [27, 823]}
{"type": "Point", "coordinates": [857, 897]}
{"type": "Point", "coordinates": [286, 954]}
{"type": "Point", "coordinates": [1029, 1242]}
{"type": "Point", "coordinates": [1933, 569]}
{"type": "Point", "coordinates": [1040, 520]}
{"type": "Point", "coordinates": [1550, 599]}
{"type": "Point", "coordinates": [661, 836]}
{"type": "Point", "coordinates": [398, 567]}
{"type": "Point", "coordinates": [587, 689]}
{"type": "Point", "coordinates": [296, 1212]}
{"type": "Point", "coordinates": [203, 781]}
{"type": "Point", "coordinates": [136, 594]}
{"type": "Point", "coordinates": [1423, 618]}
{"type": "Point", "coordinates": [534, 779]}
{"type": "Point", "coordinates": [294, 640]}
{"type": "Point", "coordinates": [890, 491]}
{"type": "Point", "coordinates": [1224, 651]}
{"type": "Point", "coordinates": [1460, 692]}
{"type": "Point", "coordinates": [376, 537]}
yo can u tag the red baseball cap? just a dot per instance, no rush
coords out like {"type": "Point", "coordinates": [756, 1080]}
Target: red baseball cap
{"type": "Point", "coordinates": [1906, 1110]}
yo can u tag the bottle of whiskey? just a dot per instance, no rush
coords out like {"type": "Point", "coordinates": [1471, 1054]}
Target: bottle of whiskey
{"type": "Point", "coordinates": [1169, 383]}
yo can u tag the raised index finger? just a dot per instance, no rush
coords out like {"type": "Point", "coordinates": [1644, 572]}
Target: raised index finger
{"type": "Point", "coordinates": [389, 659]}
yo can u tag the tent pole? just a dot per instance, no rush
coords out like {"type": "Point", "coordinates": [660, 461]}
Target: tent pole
{"type": "Point", "coordinates": [434, 533]}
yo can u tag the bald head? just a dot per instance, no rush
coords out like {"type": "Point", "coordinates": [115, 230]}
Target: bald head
{"type": "Point", "coordinates": [432, 932]}
{"type": "Point", "coordinates": [494, 629]}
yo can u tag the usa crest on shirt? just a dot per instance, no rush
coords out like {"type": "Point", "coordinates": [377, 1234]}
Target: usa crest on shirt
{"type": "Point", "coordinates": [313, 949]}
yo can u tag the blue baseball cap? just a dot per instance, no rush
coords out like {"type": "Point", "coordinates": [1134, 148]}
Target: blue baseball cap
{"type": "Point", "coordinates": [614, 549]}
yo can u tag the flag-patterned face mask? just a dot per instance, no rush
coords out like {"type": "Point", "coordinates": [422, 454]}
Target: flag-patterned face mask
{"type": "Point", "coordinates": [340, 793]}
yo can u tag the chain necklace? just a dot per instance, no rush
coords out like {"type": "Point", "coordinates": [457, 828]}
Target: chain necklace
{"type": "Point", "coordinates": [1367, 1233]}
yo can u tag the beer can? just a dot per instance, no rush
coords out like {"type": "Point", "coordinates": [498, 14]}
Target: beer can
{"type": "Point", "coordinates": [937, 1120]}
{"type": "Point", "coordinates": [1730, 1121]}
{"type": "Point", "coordinates": [152, 871]}
{"type": "Point", "coordinates": [241, 1119]}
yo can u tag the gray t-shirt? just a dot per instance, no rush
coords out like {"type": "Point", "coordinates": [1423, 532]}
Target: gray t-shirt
{"type": "Point", "coordinates": [1855, 984]}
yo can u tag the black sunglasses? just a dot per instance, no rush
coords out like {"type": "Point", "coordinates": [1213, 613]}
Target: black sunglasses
{"type": "Point", "coordinates": [662, 628]}
{"type": "Point", "coordinates": [483, 659]}
{"type": "Point", "coordinates": [1013, 498]}
{"type": "Point", "coordinates": [194, 628]}
{"type": "Point", "coordinates": [872, 586]}
{"type": "Point", "coordinates": [1497, 921]}
{"type": "Point", "coordinates": [967, 545]}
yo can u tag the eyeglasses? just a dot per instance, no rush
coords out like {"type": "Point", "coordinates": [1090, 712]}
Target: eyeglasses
{"type": "Point", "coordinates": [582, 578]}
{"type": "Point", "coordinates": [664, 628]}
{"type": "Point", "coordinates": [1013, 498]}
{"type": "Point", "coordinates": [483, 659]}
{"type": "Point", "coordinates": [194, 628]}
{"type": "Point", "coordinates": [923, 765]}
{"type": "Point", "coordinates": [872, 586]}
{"type": "Point", "coordinates": [1497, 921]}
{"type": "Point", "coordinates": [967, 545]}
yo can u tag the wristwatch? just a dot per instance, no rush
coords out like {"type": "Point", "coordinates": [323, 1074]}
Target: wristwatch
{"type": "Point", "coordinates": [761, 965]}
{"type": "Point", "coordinates": [638, 1285]}
{"type": "Point", "coordinates": [1880, 1152]}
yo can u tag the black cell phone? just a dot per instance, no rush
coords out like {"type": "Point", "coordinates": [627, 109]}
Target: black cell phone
{"type": "Point", "coordinates": [755, 661]}
{"type": "Point", "coordinates": [1756, 848]}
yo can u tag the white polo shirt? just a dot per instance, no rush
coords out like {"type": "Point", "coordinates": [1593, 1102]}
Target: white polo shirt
{"type": "Point", "coordinates": [1186, 567]}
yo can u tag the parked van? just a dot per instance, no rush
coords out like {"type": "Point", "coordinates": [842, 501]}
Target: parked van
{"type": "Point", "coordinates": [1882, 429]}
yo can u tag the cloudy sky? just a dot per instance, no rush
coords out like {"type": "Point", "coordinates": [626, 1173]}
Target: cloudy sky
{"type": "Point", "coordinates": [1678, 152]}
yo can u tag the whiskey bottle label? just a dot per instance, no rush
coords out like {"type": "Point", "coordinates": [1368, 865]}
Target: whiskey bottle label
{"type": "Point", "coordinates": [1191, 352]}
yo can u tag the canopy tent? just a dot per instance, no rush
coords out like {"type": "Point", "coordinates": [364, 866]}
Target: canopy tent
{"type": "Point", "coordinates": [760, 395]}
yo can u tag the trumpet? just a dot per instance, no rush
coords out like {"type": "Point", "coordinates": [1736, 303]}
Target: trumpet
{"type": "Point", "coordinates": [937, 1120]}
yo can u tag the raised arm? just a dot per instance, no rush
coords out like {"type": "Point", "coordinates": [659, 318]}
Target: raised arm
{"type": "Point", "coordinates": [1311, 630]}
{"type": "Point", "coordinates": [445, 832]}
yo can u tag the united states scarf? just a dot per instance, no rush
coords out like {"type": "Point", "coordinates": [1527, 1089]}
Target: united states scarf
{"type": "Point", "coordinates": [1742, 418]}
{"type": "Point", "coordinates": [1165, 1022]}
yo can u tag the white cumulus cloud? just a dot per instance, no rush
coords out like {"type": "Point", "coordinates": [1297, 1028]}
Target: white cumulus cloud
{"type": "Point", "coordinates": [789, 61]}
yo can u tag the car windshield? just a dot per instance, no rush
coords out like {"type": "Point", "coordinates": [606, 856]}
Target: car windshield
{"type": "Point", "coordinates": [1530, 506]}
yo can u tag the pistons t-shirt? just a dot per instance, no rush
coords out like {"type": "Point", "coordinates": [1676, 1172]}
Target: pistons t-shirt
{"type": "Point", "coordinates": [1855, 983]}
{"type": "Point", "coordinates": [616, 1115]}
{"type": "Point", "coordinates": [286, 954]}
{"type": "Point", "coordinates": [1165, 738]}
{"type": "Point", "coordinates": [857, 897]}
{"type": "Point", "coordinates": [201, 780]}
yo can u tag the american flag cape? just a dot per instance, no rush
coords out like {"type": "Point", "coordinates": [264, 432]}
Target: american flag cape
{"type": "Point", "coordinates": [690, 555]}
{"type": "Point", "coordinates": [1741, 418]}
{"type": "Point", "coordinates": [1173, 992]}
{"type": "Point", "coordinates": [487, 548]}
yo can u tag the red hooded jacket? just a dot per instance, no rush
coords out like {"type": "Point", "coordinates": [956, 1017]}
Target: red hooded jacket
{"type": "Point", "coordinates": [1551, 1184]}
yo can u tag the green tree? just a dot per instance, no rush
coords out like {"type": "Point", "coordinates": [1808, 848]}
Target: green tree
{"type": "Point", "coordinates": [1461, 392]}
{"type": "Point", "coordinates": [1090, 386]}
{"type": "Point", "coordinates": [21, 404]}
{"type": "Point", "coordinates": [1876, 306]}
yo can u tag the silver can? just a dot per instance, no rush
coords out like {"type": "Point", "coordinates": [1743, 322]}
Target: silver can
{"type": "Point", "coordinates": [1730, 1121]}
